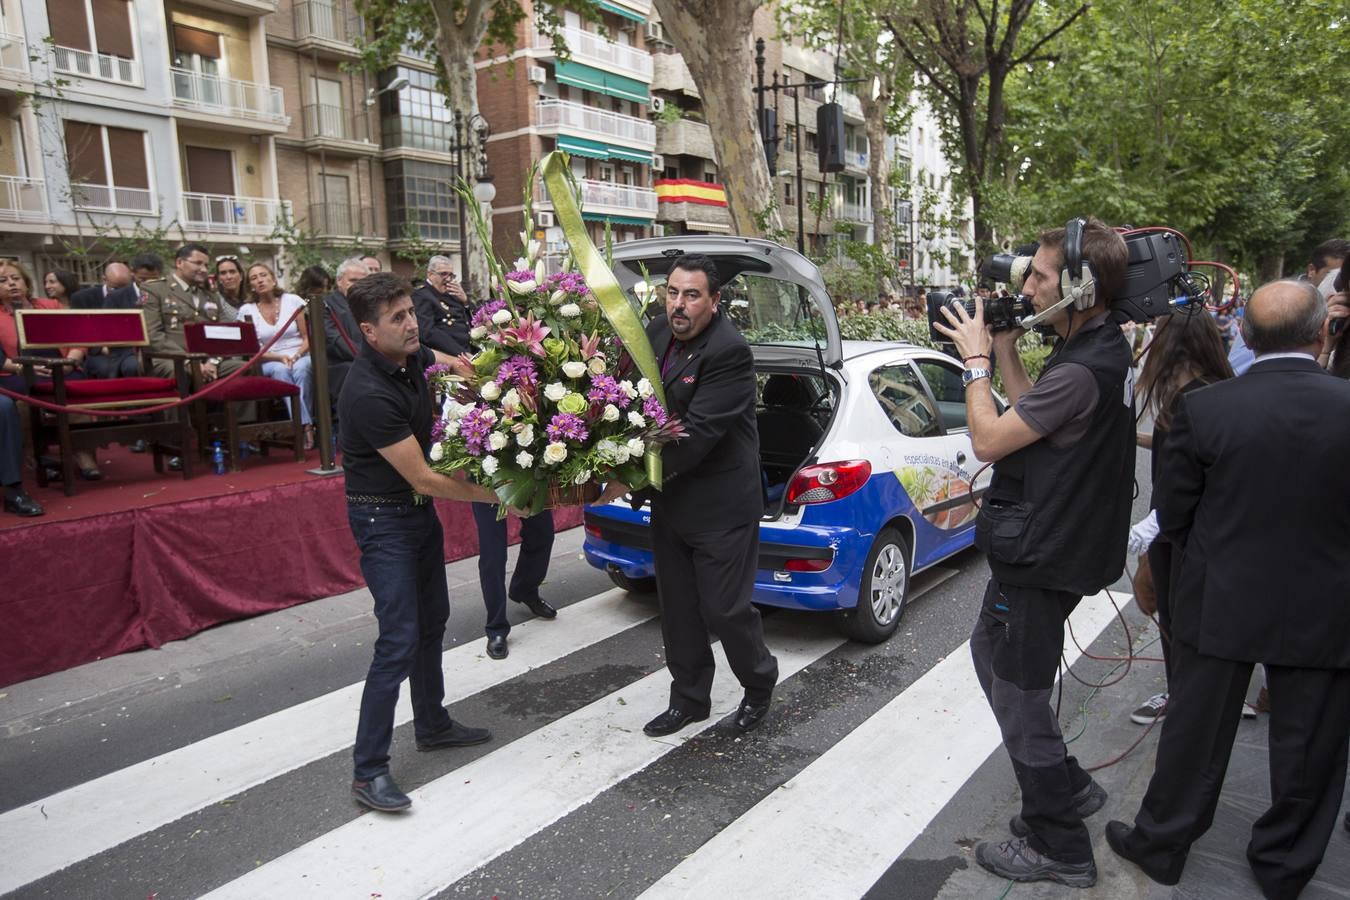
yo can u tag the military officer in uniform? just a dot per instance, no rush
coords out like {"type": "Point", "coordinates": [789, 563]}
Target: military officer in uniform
{"type": "Point", "coordinates": [443, 309]}
{"type": "Point", "coordinates": [181, 298]}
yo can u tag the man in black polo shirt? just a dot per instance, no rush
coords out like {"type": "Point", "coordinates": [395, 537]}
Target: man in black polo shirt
{"type": "Point", "coordinates": [386, 411]}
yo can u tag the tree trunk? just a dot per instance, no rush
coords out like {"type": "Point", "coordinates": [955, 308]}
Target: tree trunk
{"type": "Point", "coordinates": [457, 42]}
{"type": "Point", "coordinates": [878, 174]}
{"type": "Point", "coordinates": [1271, 268]}
{"type": "Point", "coordinates": [714, 38]}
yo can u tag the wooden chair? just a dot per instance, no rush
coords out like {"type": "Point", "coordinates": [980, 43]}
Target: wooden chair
{"type": "Point", "coordinates": [240, 339]}
{"type": "Point", "coordinates": [93, 329]}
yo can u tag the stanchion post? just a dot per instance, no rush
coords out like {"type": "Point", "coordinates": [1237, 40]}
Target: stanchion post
{"type": "Point", "coordinates": [323, 406]}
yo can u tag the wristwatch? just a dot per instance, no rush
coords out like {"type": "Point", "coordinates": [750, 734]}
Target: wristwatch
{"type": "Point", "coordinates": [969, 376]}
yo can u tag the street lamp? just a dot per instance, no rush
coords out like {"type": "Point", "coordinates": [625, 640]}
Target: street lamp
{"type": "Point", "coordinates": [397, 84]}
{"type": "Point", "coordinates": [471, 134]}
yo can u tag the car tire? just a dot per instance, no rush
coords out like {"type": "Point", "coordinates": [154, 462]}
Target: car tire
{"type": "Point", "coordinates": [632, 585]}
{"type": "Point", "coordinates": [883, 593]}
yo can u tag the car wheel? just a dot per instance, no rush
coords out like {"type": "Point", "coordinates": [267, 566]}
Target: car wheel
{"type": "Point", "coordinates": [632, 585]}
{"type": "Point", "coordinates": [884, 590]}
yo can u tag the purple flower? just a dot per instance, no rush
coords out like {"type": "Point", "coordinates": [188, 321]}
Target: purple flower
{"type": "Point", "coordinates": [519, 275]}
{"type": "Point", "coordinates": [483, 315]}
{"type": "Point", "coordinates": [604, 389]}
{"type": "Point", "coordinates": [570, 282]}
{"type": "Point", "coordinates": [518, 371]}
{"type": "Point", "coordinates": [652, 409]}
{"type": "Point", "coordinates": [437, 369]}
{"type": "Point", "coordinates": [475, 428]}
{"type": "Point", "coordinates": [566, 425]}
{"type": "Point", "coordinates": [437, 430]}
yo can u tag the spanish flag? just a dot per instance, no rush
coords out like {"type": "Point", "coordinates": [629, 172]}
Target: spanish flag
{"type": "Point", "coordinates": [687, 190]}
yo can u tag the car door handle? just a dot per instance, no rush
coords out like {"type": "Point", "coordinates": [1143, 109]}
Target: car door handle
{"type": "Point", "coordinates": [960, 457]}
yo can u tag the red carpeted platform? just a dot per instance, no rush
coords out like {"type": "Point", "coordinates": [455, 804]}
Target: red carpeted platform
{"type": "Point", "coordinates": [140, 559]}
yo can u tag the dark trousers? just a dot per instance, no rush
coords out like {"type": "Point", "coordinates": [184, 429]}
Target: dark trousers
{"type": "Point", "coordinates": [11, 443]}
{"type": "Point", "coordinates": [117, 363]}
{"type": "Point", "coordinates": [1016, 645]}
{"type": "Point", "coordinates": [1308, 741]}
{"type": "Point", "coordinates": [704, 581]}
{"type": "Point", "coordinates": [403, 561]}
{"type": "Point", "coordinates": [536, 543]}
{"type": "Point", "coordinates": [1160, 559]}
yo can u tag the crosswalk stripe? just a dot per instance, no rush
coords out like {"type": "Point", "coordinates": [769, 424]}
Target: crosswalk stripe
{"type": "Point", "coordinates": [50, 834]}
{"type": "Point", "coordinates": [480, 810]}
{"type": "Point", "coordinates": [910, 759]}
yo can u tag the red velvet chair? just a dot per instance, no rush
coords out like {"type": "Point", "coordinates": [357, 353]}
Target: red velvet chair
{"type": "Point", "coordinates": [92, 329]}
{"type": "Point", "coordinates": [240, 339]}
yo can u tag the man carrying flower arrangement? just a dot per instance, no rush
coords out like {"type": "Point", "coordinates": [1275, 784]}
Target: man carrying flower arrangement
{"type": "Point", "coordinates": [705, 521]}
{"type": "Point", "coordinates": [386, 412]}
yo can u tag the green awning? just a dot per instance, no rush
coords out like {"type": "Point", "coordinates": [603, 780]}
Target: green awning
{"type": "Point", "coordinates": [591, 79]}
{"type": "Point", "coordinates": [620, 11]}
{"type": "Point", "coordinates": [615, 220]}
{"type": "Point", "coordinates": [600, 150]}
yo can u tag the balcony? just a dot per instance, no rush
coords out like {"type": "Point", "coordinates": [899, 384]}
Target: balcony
{"type": "Point", "coordinates": [13, 60]}
{"type": "Point", "coordinates": [103, 66]}
{"type": "Point", "coordinates": [697, 216]}
{"type": "Point", "coordinates": [671, 73]}
{"type": "Point", "coordinates": [341, 220]}
{"type": "Point", "coordinates": [337, 130]}
{"type": "Point", "coordinates": [685, 138]}
{"type": "Point", "coordinates": [589, 48]}
{"type": "Point", "coordinates": [855, 161]}
{"type": "Point", "coordinates": [208, 98]}
{"type": "Point", "coordinates": [220, 214]}
{"type": "Point", "coordinates": [853, 212]}
{"type": "Point", "coordinates": [586, 121]}
{"type": "Point", "coordinates": [22, 199]}
{"type": "Point", "coordinates": [328, 27]}
{"type": "Point", "coordinates": [110, 198]}
{"type": "Point", "coordinates": [248, 8]}
{"type": "Point", "coordinates": [608, 198]}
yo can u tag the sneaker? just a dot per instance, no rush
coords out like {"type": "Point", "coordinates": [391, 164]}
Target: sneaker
{"type": "Point", "coordinates": [1018, 861]}
{"type": "Point", "coordinates": [1153, 710]}
{"type": "Point", "coordinates": [1086, 802]}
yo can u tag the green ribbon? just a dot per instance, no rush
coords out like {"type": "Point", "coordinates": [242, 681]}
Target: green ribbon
{"type": "Point", "coordinates": [604, 285]}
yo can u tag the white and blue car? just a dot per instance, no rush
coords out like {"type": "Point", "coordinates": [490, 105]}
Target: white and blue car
{"type": "Point", "coordinates": [867, 462]}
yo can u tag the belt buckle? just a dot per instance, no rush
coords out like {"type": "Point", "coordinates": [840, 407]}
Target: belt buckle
{"type": "Point", "coordinates": [420, 499]}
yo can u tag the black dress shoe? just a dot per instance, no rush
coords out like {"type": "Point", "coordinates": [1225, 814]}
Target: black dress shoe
{"type": "Point", "coordinates": [1117, 835]}
{"type": "Point", "coordinates": [381, 794]}
{"type": "Point", "coordinates": [539, 608]}
{"type": "Point", "coordinates": [670, 721]}
{"type": "Point", "coordinates": [751, 715]}
{"type": "Point", "coordinates": [1086, 802]}
{"type": "Point", "coordinates": [139, 446]}
{"type": "Point", "coordinates": [456, 735]}
{"type": "Point", "coordinates": [497, 648]}
{"type": "Point", "coordinates": [91, 474]}
{"type": "Point", "coordinates": [19, 503]}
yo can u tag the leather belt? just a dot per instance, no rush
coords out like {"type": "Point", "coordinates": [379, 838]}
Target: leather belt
{"type": "Point", "coordinates": [412, 498]}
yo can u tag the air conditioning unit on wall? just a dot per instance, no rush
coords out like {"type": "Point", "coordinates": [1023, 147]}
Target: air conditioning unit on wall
{"type": "Point", "coordinates": [658, 161]}
{"type": "Point", "coordinates": [657, 104]}
{"type": "Point", "coordinates": [543, 219]}
{"type": "Point", "coordinates": [655, 32]}
{"type": "Point", "coordinates": [537, 75]}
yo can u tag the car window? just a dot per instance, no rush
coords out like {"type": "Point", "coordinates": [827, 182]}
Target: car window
{"type": "Point", "coordinates": [903, 399]}
{"type": "Point", "coordinates": [944, 380]}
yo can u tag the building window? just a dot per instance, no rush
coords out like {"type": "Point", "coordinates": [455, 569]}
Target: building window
{"type": "Point", "coordinates": [810, 142]}
{"type": "Point", "coordinates": [671, 172]}
{"type": "Point", "coordinates": [420, 197]}
{"type": "Point", "coordinates": [107, 167]}
{"type": "Point", "coordinates": [710, 177]}
{"type": "Point", "coordinates": [416, 116]}
{"type": "Point", "coordinates": [94, 38]}
{"type": "Point", "coordinates": [787, 194]}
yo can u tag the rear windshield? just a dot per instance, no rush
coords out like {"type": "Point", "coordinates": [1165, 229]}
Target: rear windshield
{"type": "Point", "coordinates": [766, 310]}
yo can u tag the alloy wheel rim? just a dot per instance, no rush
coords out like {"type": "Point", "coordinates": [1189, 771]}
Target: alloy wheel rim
{"type": "Point", "coordinates": [888, 584]}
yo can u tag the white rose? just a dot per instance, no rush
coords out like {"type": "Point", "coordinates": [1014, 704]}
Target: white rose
{"type": "Point", "coordinates": [574, 369]}
{"type": "Point", "coordinates": [489, 465]}
{"type": "Point", "coordinates": [636, 447]}
{"type": "Point", "coordinates": [555, 453]}
{"type": "Point", "coordinates": [489, 415]}
{"type": "Point", "coordinates": [635, 419]}
{"type": "Point", "coordinates": [555, 391]}
{"type": "Point", "coordinates": [611, 413]}
{"type": "Point", "coordinates": [490, 391]}
{"type": "Point", "coordinates": [619, 454]}
{"type": "Point", "coordinates": [556, 298]}
{"type": "Point", "coordinates": [582, 477]}
{"type": "Point", "coordinates": [627, 387]}
{"type": "Point", "coordinates": [511, 399]}
{"type": "Point", "coordinates": [596, 365]}
{"type": "Point", "coordinates": [525, 437]}
{"type": "Point", "coordinates": [453, 411]}
{"type": "Point", "coordinates": [501, 316]}
{"type": "Point", "coordinates": [644, 388]}
{"type": "Point", "coordinates": [524, 460]}
{"type": "Point", "coordinates": [497, 440]}
{"type": "Point", "coordinates": [569, 310]}
{"type": "Point", "coordinates": [478, 332]}
{"type": "Point", "coordinates": [438, 452]}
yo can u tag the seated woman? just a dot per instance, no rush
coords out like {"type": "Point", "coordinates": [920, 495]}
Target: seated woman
{"type": "Point", "coordinates": [59, 284]}
{"type": "Point", "coordinates": [269, 308]}
{"type": "Point", "coordinates": [16, 293]}
{"type": "Point", "coordinates": [16, 500]}
{"type": "Point", "coordinates": [230, 281]}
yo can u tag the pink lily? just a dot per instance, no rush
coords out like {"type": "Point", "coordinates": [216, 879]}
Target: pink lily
{"type": "Point", "coordinates": [590, 346]}
{"type": "Point", "coordinates": [529, 334]}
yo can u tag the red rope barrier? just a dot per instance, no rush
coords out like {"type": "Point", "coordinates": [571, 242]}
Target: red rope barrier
{"type": "Point", "coordinates": [205, 392]}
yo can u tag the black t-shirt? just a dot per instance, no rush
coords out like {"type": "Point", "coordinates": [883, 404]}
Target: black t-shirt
{"type": "Point", "coordinates": [381, 404]}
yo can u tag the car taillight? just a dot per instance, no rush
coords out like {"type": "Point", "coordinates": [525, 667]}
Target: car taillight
{"type": "Point", "coordinates": [593, 530]}
{"type": "Point", "coordinates": [808, 565]}
{"type": "Point", "coordinates": [828, 481]}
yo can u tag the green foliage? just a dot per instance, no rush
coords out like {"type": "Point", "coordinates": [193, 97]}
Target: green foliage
{"type": "Point", "coordinates": [670, 114]}
{"type": "Point", "coordinates": [301, 249]}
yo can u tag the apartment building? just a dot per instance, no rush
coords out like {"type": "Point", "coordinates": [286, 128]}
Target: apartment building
{"type": "Point", "coordinates": [942, 225]}
{"type": "Point", "coordinates": [596, 104]}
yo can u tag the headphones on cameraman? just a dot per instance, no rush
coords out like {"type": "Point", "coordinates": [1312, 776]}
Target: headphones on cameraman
{"type": "Point", "coordinates": [1076, 279]}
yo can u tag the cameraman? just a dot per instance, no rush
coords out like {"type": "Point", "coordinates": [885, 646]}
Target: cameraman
{"type": "Point", "coordinates": [1335, 355]}
{"type": "Point", "coordinates": [1053, 526]}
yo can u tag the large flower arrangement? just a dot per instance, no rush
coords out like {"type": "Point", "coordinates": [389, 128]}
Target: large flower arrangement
{"type": "Point", "coordinates": [554, 406]}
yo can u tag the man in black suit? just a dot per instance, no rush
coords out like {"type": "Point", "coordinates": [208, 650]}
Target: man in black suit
{"type": "Point", "coordinates": [115, 275]}
{"type": "Point", "coordinates": [1262, 579]}
{"type": "Point", "coordinates": [342, 336]}
{"type": "Point", "coordinates": [442, 308]}
{"type": "Point", "coordinates": [705, 523]}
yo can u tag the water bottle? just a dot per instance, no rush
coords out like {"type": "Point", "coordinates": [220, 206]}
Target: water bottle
{"type": "Point", "coordinates": [218, 458]}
